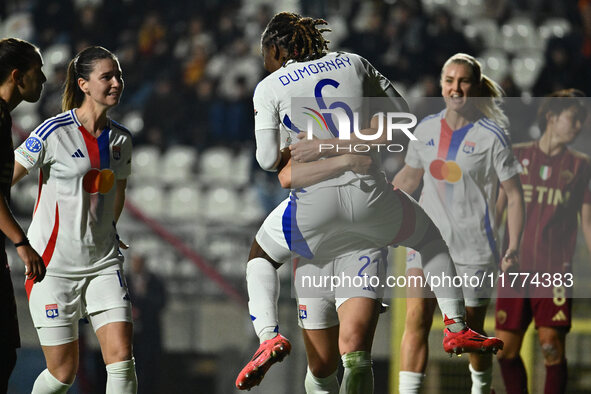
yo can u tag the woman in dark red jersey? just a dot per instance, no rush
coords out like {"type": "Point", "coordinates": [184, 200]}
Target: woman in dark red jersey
{"type": "Point", "coordinates": [21, 79]}
{"type": "Point", "coordinates": [556, 183]}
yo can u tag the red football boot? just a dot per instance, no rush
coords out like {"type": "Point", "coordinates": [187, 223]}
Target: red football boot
{"type": "Point", "coordinates": [469, 341]}
{"type": "Point", "coordinates": [269, 352]}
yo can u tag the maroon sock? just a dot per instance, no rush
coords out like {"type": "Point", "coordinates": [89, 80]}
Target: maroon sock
{"type": "Point", "coordinates": [514, 375]}
{"type": "Point", "coordinates": [556, 376]}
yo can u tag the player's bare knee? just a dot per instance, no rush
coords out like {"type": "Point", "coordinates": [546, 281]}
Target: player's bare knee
{"type": "Point", "coordinates": [322, 368]}
{"type": "Point", "coordinates": [65, 373]}
{"type": "Point", "coordinates": [117, 354]}
{"type": "Point", "coordinates": [552, 352]}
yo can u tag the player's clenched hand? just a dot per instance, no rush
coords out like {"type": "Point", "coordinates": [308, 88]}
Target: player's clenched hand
{"type": "Point", "coordinates": [305, 150]}
{"type": "Point", "coordinates": [360, 164]}
{"type": "Point", "coordinates": [34, 266]}
{"type": "Point", "coordinates": [510, 262]}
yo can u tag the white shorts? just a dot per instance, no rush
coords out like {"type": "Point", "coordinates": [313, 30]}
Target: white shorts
{"type": "Point", "coordinates": [334, 221]}
{"type": "Point", "coordinates": [322, 286]}
{"type": "Point", "coordinates": [478, 278]}
{"type": "Point", "coordinates": [58, 303]}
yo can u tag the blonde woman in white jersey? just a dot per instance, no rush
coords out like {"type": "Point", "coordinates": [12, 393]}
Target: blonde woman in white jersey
{"type": "Point", "coordinates": [462, 153]}
{"type": "Point", "coordinates": [84, 159]}
{"type": "Point", "coordinates": [311, 223]}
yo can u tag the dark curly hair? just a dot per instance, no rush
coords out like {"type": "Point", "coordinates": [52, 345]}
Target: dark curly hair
{"type": "Point", "coordinates": [300, 36]}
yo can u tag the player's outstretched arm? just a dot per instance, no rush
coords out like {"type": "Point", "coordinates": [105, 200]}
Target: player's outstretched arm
{"type": "Point", "coordinates": [295, 175]}
{"type": "Point", "coordinates": [515, 221]}
{"type": "Point", "coordinates": [408, 179]}
{"type": "Point", "coordinates": [309, 150]}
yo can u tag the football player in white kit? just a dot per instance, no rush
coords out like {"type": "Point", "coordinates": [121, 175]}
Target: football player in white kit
{"type": "Point", "coordinates": [462, 154]}
{"type": "Point", "coordinates": [84, 159]}
{"type": "Point", "coordinates": [338, 215]}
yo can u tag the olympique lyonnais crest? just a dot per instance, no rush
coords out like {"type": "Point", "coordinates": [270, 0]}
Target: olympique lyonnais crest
{"type": "Point", "coordinates": [545, 172]}
{"type": "Point", "coordinates": [469, 147]}
{"type": "Point", "coordinates": [303, 312]}
{"type": "Point", "coordinates": [51, 311]}
{"type": "Point", "coordinates": [116, 152]}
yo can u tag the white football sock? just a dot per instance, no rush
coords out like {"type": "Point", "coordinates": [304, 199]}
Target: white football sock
{"type": "Point", "coordinates": [121, 378]}
{"type": "Point", "coordinates": [46, 383]}
{"type": "Point", "coordinates": [437, 263]}
{"type": "Point", "coordinates": [262, 282]}
{"type": "Point", "coordinates": [481, 380]}
{"type": "Point", "coordinates": [327, 385]}
{"type": "Point", "coordinates": [410, 382]}
{"type": "Point", "coordinates": [358, 376]}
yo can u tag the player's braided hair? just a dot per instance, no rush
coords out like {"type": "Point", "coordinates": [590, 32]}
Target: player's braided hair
{"type": "Point", "coordinates": [16, 54]}
{"type": "Point", "coordinates": [81, 67]}
{"type": "Point", "coordinates": [300, 36]}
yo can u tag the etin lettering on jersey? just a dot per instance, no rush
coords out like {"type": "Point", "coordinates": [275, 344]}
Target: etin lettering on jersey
{"type": "Point", "coordinates": [544, 195]}
{"type": "Point", "coordinates": [303, 312]}
{"type": "Point", "coordinates": [51, 311]}
{"type": "Point", "coordinates": [314, 68]}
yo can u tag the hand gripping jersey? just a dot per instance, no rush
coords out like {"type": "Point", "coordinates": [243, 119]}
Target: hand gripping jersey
{"type": "Point", "coordinates": [337, 79]}
{"type": "Point", "coordinates": [73, 221]}
{"type": "Point", "coordinates": [462, 170]}
{"type": "Point", "coordinates": [554, 189]}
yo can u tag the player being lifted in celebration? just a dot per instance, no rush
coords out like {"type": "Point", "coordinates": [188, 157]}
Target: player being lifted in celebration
{"type": "Point", "coordinates": [461, 155]}
{"type": "Point", "coordinates": [84, 159]}
{"type": "Point", "coordinates": [339, 213]}
{"type": "Point", "coordinates": [557, 188]}
{"type": "Point", "coordinates": [21, 78]}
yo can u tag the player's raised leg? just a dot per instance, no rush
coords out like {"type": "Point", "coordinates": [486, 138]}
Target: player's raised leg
{"type": "Point", "coordinates": [263, 292]}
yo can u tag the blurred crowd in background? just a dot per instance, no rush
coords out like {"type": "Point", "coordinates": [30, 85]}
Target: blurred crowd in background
{"type": "Point", "coordinates": [190, 67]}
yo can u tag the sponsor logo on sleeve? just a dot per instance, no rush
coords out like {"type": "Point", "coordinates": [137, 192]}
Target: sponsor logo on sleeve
{"type": "Point", "coordinates": [26, 155]}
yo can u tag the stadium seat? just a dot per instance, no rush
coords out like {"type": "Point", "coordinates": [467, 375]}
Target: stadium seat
{"type": "Point", "coordinates": [56, 55]}
{"type": "Point", "coordinates": [525, 69]}
{"type": "Point", "coordinates": [494, 64]}
{"type": "Point", "coordinates": [146, 164]}
{"type": "Point", "coordinates": [242, 167]}
{"type": "Point", "coordinates": [430, 5]}
{"type": "Point", "coordinates": [554, 27]}
{"type": "Point", "coordinates": [483, 30]}
{"type": "Point", "coordinates": [184, 202]}
{"type": "Point", "coordinates": [251, 198]}
{"type": "Point", "coordinates": [519, 33]}
{"type": "Point", "coordinates": [223, 204]}
{"type": "Point", "coordinates": [216, 166]}
{"type": "Point", "coordinates": [468, 9]}
{"type": "Point", "coordinates": [150, 199]}
{"type": "Point", "coordinates": [178, 163]}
